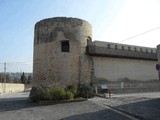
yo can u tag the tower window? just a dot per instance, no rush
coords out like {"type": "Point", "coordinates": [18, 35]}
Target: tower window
{"type": "Point", "coordinates": [116, 46]}
{"type": "Point", "coordinates": [135, 49]}
{"type": "Point", "coordinates": [129, 48]}
{"type": "Point", "coordinates": [65, 46]}
{"type": "Point", "coordinates": [109, 46]}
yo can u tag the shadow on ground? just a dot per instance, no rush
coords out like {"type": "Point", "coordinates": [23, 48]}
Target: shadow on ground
{"type": "Point", "coordinates": [8, 104]}
{"type": "Point", "coordinates": [105, 114]}
{"type": "Point", "coordinates": [144, 110]}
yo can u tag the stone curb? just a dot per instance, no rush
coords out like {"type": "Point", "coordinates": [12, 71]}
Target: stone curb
{"type": "Point", "coordinates": [131, 114]}
{"type": "Point", "coordinates": [60, 101]}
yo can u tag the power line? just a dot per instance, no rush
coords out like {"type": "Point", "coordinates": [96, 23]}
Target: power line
{"type": "Point", "coordinates": [139, 34]}
{"type": "Point", "coordinates": [24, 62]}
{"type": "Point", "coordinates": [25, 65]}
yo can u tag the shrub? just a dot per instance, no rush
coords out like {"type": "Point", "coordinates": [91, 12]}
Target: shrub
{"type": "Point", "coordinates": [85, 91]}
{"type": "Point", "coordinates": [72, 89]}
{"type": "Point", "coordinates": [69, 95]}
{"type": "Point", "coordinates": [36, 93]}
{"type": "Point", "coordinates": [47, 95]}
{"type": "Point", "coordinates": [57, 93]}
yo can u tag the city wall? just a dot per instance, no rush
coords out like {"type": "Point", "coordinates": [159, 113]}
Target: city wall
{"type": "Point", "coordinates": [118, 61]}
{"type": "Point", "coordinates": [89, 62]}
{"type": "Point", "coordinates": [107, 49]}
{"type": "Point", "coordinates": [114, 69]}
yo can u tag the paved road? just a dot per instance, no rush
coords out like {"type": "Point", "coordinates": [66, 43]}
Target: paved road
{"type": "Point", "coordinates": [145, 106]}
{"type": "Point", "coordinates": [15, 106]}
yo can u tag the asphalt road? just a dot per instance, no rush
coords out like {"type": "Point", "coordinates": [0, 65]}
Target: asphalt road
{"type": "Point", "coordinates": [15, 106]}
{"type": "Point", "coordinates": [142, 106]}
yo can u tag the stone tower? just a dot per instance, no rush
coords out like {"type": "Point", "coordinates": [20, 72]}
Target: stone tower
{"type": "Point", "coordinates": [60, 52]}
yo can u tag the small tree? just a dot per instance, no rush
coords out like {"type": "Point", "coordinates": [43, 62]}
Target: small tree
{"type": "Point", "coordinates": [29, 79]}
{"type": "Point", "coordinates": [23, 79]}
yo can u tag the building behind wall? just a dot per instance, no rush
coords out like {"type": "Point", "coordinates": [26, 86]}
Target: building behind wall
{"type": "Point", "coordinates": [64, 53]}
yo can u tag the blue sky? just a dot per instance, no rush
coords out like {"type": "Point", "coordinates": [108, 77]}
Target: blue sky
{"type": "Point", "coordinates": [112, 21]}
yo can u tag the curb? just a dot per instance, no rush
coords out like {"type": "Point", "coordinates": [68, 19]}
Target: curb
{"type": "Point", "coordinates": [60, 101]}
{"type": "Point", "coordinates": [123, 111]}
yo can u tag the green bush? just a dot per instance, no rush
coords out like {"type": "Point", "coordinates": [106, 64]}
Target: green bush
{"type": "Point", "coordinates": [47, 95]}
{"type": "Point", "coordinates": [72, 89]}
{"type": "Point", "coordinates": [36, 93]}
{"type": "Point", "coordinates": [69, 95]}
{"type": "Point", "coordinates": [57, 93]}
{"type": "Point", "coordinates": [85, 91]}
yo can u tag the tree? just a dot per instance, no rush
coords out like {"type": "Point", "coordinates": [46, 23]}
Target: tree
{"type": "Point", "coordinates": [1, 77]}
{"type": "Point", "coordinates": [7, 76]}
{"type": "Point", "coordinates": [29, 79]}
{"type": "Point", "coordinates": [23, 79]}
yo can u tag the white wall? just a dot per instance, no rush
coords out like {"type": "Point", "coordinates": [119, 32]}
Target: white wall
{"type": "Point", "coordinates": [8, 87]}
{"type": "Point", "coordinates": [118, 68]}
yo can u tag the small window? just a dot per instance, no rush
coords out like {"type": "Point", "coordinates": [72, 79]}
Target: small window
{"type": "Point", "coordinates": [65, 46]}
{"type": "Point", "coordinates": [122, 47]}
{"type": "Point", "coordinates": [109, 46]}
{"type": "Point", "coordinates": [116, 46]}
{"type": "Point", "coordinates": [135, 49]}
{"type": "Point", "coordinates": [129, 48]}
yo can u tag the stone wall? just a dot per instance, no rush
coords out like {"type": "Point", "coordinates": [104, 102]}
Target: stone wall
{"type": "Point", "coordinates": [114, 69]}
{"type": "Point", "coordinates": [9, 87]}
{"type": "Point", "coordinates": [85, 60]}
{"type": "Point", "coordinates": [132, 86]}
{"type": "Point", "coordinates": [118, 61]}
{"type": "Point", "coordinates": [52, 65]}
{"type": "Point", "coordinates": [98, 48]}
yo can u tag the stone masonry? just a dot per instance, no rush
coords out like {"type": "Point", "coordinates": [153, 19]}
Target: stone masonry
{"type": "Point", "coordinates": [65, 54]}
{"type": "Point", "coordinates": [52, 65]}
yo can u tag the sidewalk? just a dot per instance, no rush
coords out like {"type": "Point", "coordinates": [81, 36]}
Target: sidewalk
{"type": "Point", "coordinates": [14, 95]}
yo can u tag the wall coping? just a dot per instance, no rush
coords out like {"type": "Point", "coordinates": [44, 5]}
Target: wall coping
{"type": "Point", "coordinates": [108, 49]}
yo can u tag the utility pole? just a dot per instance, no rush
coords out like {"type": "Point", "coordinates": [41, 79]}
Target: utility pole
{"type": "Point", "coordinates": [4, 72]}
{"type": "Point", "coordinates": [4, 77]}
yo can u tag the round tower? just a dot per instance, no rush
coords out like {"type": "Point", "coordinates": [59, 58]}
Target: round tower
{"type": "Point", "coordinates": [60, 52]}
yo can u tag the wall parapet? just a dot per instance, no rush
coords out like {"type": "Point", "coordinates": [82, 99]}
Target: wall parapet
{"type": "Point", "coordinates": [107, 49]}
